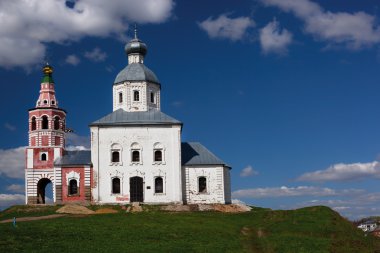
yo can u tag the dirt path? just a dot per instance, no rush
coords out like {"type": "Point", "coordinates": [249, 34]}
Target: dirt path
{"type": "Point", "coordinates": [52, 216]}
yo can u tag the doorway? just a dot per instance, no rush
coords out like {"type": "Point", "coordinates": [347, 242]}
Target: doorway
{"type": "Point", "coordinates": [136, 189]}
{"type": "Point", "coordinates": [44, 191]}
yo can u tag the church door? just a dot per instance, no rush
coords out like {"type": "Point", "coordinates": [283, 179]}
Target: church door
{"type": "Point", "coordinates": [136, 189]}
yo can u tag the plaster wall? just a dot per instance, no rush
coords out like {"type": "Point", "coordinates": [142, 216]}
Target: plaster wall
{"type": "Point", "coordinates": [214, 178]}
{"type": "Point", "coordinates": [126, 139]}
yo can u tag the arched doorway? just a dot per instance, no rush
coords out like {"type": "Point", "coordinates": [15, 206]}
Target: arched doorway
{"type": "Point", "coordinates": [44, 191]}
{"type": "Point", "coordinates": [136, 189]}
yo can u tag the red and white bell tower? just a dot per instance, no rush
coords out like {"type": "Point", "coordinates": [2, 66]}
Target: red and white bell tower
{"type": "Point", "coordinates": [46, 140]}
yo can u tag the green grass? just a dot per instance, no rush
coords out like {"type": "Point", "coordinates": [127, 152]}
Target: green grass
{"type": "Point", "coordinates": [314, 229]}
{"type": "Point", "coordinates": [27, 211]}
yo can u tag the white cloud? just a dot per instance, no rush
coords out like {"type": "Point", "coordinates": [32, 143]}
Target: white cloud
{"type": "Point", "coordinates": [72, 59]}
{"type": "Point", "coordinates": [226, 28]}
{"type": "Point", "coordinates": [275, 192]}
{"type": "Point", "coordinates": [96, 55]}
{"type": "Point", "coordinates": [10, 127]}
{"type": "Point", "coordinates": [77, 142]}
{"type": "Point", "coordinates": [275, 40]}
{"type": "Point", "coordinates": [7, 200]}
{"type": "Point", "coordinates": [28, 26]}
{"type": "Point", "coordinates": [248, 171]}
{"type": "Point", "coordinates": [353, 30]}
{"type": "Point", "coordinates": [343, 172]}
{"type": "Point", "coordinates": [16, 188]}
{"type": "Point", "coordinates": [12, 162]}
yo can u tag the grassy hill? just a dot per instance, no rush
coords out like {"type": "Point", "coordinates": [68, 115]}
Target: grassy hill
{"type": "Point", "coordinates": [312, 229]}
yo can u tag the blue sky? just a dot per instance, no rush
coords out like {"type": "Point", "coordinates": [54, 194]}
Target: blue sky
{"type": "Point", "coordinates": [285, 91]}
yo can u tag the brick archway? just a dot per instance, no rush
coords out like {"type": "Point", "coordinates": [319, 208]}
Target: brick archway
{"type": "Point", "coordinates": [41, 190]}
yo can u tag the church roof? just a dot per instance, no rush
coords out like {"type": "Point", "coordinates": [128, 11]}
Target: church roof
{"type": "Point", "coordinates": [194, 153]}
{"type": "Point", "coordinates": [71, 158]}
{"type": "Point", "coordinates": [121, 117]}
{"type": "Point", "coordinates": [136, 72]}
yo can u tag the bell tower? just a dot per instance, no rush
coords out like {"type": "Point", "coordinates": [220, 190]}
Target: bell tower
{"type": "Point", "coordinates": [46, 140]}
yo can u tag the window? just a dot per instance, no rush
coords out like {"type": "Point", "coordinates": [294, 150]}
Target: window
{"type": "Point", "coordinates": [73, 187]}
{"type": "Point", "coordinates": [135, 156]}
{"type": "Point", "coordinates": [56, 123]}
{"type": "Point", "coordinates": [53, 102]}
{"type": "Point", "coordinates": [43, 157]}
{"type": "Point", "coordinates": [116, 185]}
{"type": "Point", "coordinates": [152, 97]}
{"type": "Point", "coordinates": [115, 156]}
{"type": "Point", "coordinates": [34, 126]}
{"type": "Point", "coordinates": [158, 185]}
{"type": "Point", "coordinates": [120, 97]}
{"type": "Point", "coordinates": [45, 122]}
{"type": "Point", "coordinates": [136, 96]}
{"type": "Point", "coordinates": [202, 185]}
{"type": "Point", "coordinates": [158, 153]}
{"type": "Point", "coordinates": [158, 156]}
{"type": "Point", "coordinates": [45, 102]}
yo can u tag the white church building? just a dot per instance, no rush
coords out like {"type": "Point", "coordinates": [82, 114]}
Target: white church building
{"type": "Point", "coordinates": [136, 151]}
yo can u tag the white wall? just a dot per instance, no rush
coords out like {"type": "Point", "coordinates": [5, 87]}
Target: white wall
{"type": "Point", "coordinates": [215, 184]}
{"type": "Point", "coordinates": [102, 138]}
{"type": "Point", "coordinates": [128, 104]}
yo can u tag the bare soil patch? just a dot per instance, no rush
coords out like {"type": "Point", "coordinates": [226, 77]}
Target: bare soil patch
{"type": "Point", "coordinates": [232, 208]}
{"type": "Point", "coordinates": [75, 209]}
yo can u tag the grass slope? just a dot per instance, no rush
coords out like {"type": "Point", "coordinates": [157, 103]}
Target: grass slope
{"type": "Point", "coordinates": [313, 229]}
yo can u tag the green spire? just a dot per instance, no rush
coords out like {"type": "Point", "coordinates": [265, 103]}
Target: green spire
{"type": "Point", "coordinates": [48, 71]}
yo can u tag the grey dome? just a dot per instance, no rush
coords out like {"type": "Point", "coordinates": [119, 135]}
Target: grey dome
{"type": "Point", "coordinates": [136, 72]}
{"type": "Point", "coordinates": [136, 46]}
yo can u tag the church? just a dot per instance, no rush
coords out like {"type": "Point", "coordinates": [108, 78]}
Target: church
{"type": "Point", "coordinates": [136, 151]}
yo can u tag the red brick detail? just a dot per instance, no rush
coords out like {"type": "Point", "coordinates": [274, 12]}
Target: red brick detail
{"type": "Point", "coordinates": [65, 192]}
{"type": "Point", "coordinates": [57, 141]}
{"type": "Point", "coordinates": [33, 141]}
{"type": "Point", "coordinates": [38, 164]}
{"type": "Point", "coordinates": [45, 141]}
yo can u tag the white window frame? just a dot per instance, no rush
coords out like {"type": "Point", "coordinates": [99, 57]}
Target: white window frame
{"type": "Point", "coordinates": [47, 156]}
{"type": "Point", "coordinates": [163, 186]}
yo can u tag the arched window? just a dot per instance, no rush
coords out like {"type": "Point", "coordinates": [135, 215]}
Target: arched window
{"type": "Point", "coordinates": [73, 187]}
{"type": "Point", "coordinates": [158, 185]}
{"type": "Point", "coordinates": [120, 97]}
{"type": "Point", "coordinates": [56, 123]}
{"type": "Point", "coordinates": [202, 185]}
{"type": "Point", "coordinates": [43, 157]}
{"type": "Point", "coordinates": [152, 97]}
{"type": "Point", "coordinates": [116, 185]}
{"type": "Point", "coordinates": [136, 96]}
{"type": "Point", "coordinates": [34, 125]}
{"type": "Point", "coordinates": [45, 122]}
{"type": "Point", "coordinates": [115, 156]}
{"type": "Point", "coordinates": [158, 156]}
{"type": "Point", "coordinates": [53, 102]}
{"type": "Point", "coordinates": [45, 102]}
{"type": "Point", "coordinates": [135, 156]}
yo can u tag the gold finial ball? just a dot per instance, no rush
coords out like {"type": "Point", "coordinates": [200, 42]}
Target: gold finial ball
{"type": "Point", "coordinates": [48, 70]}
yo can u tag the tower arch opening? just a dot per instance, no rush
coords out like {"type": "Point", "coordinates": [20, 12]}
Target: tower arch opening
{"type": "Point", "coordinates": [56, 123]}
{"type": "Point", "coordinates": [45, 122]}
{"type": "Point", "coordinates": [34, 124]}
